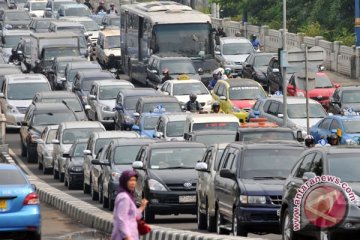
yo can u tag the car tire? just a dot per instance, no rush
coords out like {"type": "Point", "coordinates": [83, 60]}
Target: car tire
{"type": "Point", "coordinates": [201, 218]}
{"type": "Point", "coordinates": [210, 221]}
{"type": "Point", "coordinates": [94, 194]}
{"type": "Point", "coordinates": [149, 216]}
{"type": "Point", "coordinates": [287, 229]}
{"type": "Point", "coordinates": [111, 202]}
{"type": "Point", "coordinates": [101, 193]}
{"type": "Point", "coordinates": [61, 176]}
{"type": "Point", "coordinates": [66, 181]}
{"type": "Point", "coordinates": [34, 236]}
{"type": "Point", "coordinates": [238, 230]}
{"type": "Point", "coordinates": [23, 149]}
{"type": "Point", "coordinates": [105, 201]}
{"type": "Point", "coordinates": [70, 184]}
{"type": "Point", "coordinates": [30, 157]}
{"type": "Point", "coordinates": [44, 169]}
{"type": "Point", "coordinates": [56, 174]}
{"type": "Point", "coordinates": [40, 165]}
{"type": "Point", "coordinates": [219, 221]}
{"type": "Point", "coordinates": [86, 188]}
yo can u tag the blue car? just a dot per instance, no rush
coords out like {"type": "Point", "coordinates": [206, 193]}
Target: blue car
{"type": "Point", "coordinates": [19, 205]}
{"type": "Point", "coordinates": [348, 127]}
{"type": "Point", "coordinates": [146, 124]}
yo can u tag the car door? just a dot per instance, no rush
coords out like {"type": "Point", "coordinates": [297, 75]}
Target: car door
{"type": "Point", "coordinates": [149, 67]}
{"type": "Point", "coordinates": [271, 111]}
{"type": "Point", "coordinates": [153, 72]}
{"type": "Point", "coordinates": [93, 102]}
{"type": "Point", "coordinates": [119, 113]}
{"type": "Point", "coordinates": [247, 67]}
{"type": "Point", "coordinates": [335, 102]}
{"type": "Point", "coordinates": [139, 189]}
{"type": "Point", "coordinates": [163, 88]}
{"type": "Point", "coordinates": [107, 169]}
{"type": "Point", "coordinates": [229, 185]}
{"type": "Point", "coordinates": [203, 177]}
{"type": "Point", "coordinates": [87, 162]}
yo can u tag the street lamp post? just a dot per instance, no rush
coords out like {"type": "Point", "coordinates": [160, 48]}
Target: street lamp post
{"type": "Point", "coordinates": [285, 116]}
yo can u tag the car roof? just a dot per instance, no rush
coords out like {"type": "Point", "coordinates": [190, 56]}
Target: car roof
{"type": "Point", "coordinates": [64, 59]}
{"type": "Point", "coordinates": [170, 56]}
{"type": "Point", "coordinates": [52, 127]}
{"type": "Point", "coordinates": [176, 144]}
{"type": "Point", "coordinates": [115, 82]}
{"type": "Point", "coordinates": [80, 141]}
{"type": "Point", "coordinates": [77, 19]}
{"type": "Point", "coordinates": [212, 117]}
{"type": "Point", "coordinates": [82, 124]}
{"type": "Point", "coordinates": [262, 145]}
{"type": "Point", "coordinates": [234, 40]}
{"type": "Point", "coordinates": [340, 149]}
{"type": "Point", "coordinates": [175, 116]}
{"type": "Point", "coordinates": [159, 98]}
{"type": "Point", "coordinates": [219, 145]}
{"type": "Point", "coordinates": [293, 100]}
{"type": "Point", "coordinates": [80, 65]}
{"type": "Point", "coordinates": [355, 87]}
{"type": "Point", "coordinates": [65, 23]}
{"type": "Point", "coordinates": [51, 107]}
{"type": "Point", "coordinates": [176, 81]}
{"type": "Point", "coordinates": [132, 141]}
{"type": "Point", "coordinates": [115, 134]}
{"type": "Point", "coordinates": [237, 82]}
{"type": "Point", "coordinates": [17, 32]}
{"type": "Point", "coordinates": [265, 129]}
{"type": "Point", "coordinates": [139, 91]}
{"type": "Point", "coordinates": [56, 94]}
{"type": "Point", "coordinates": [96, 72]}
{"type": "Point", "coordinates": [345, 117]}
{"type": "Point", "coordinates": [110, 32]}
{"type": "Point", "coordinates": [213, 132]}
{"type": "Point", "coordinates": [74, 5]}
{"type": "Point", "coordinates": [26, 78]}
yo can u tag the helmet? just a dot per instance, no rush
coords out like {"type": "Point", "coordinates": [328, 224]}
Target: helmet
{"type": "Point", "coordinates": [227, 71]}
{"type": "Point", "coordinates": [215, 105]}
{"type": "Point", "coordinates": [333, 139]}
{"type": "Point", "coordinates": [309, 140]}
{"type": "Point", "coordinates": [193, 97]}
{"type": "Point", "coordinates": [165, 71]}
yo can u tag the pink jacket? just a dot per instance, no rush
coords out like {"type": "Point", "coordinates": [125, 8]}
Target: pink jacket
{"type": "Point", "coordinates": [125, 218]}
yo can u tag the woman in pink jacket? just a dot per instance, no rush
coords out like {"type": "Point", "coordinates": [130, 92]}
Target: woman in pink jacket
{"type": "Point", "coordinates": [126, 214]}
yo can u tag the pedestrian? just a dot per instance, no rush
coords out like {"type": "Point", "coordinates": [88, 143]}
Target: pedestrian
{"type": "Point", "coordinates": [101, 7]}
{"type": "Point", "coordinates": [112, 9]}
{"type": "Point", "coordinates": [255, 42]}
{"type": "Point", "coordinates": [88, 4]}
{"type": "Point", "coordinates": [126, 215]}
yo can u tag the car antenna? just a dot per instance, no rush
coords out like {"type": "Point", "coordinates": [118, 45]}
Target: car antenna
{"type": "Point", "coordinates": [65, 103]}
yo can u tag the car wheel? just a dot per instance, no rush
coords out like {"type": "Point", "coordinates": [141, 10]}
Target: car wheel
{"type": "Point", "coordinates": [94, 194]}
{"type": "Point", "coordinates": [86, 188]}
{"type": "Point", "coordinates": [61, 176]}
{"type": "Point", "coordinates": [34, 236]}
{"type": "Point", "coordinates": [201, 218]}
{"type": "Point", "coordinates": [101, 193]}
{"type": "Point", "coordinates": [105, 201]}
{"type": "Point", "coordinates": [286, 227]}
{"type": "Point", "coordinates": [111, 201]}
{"type": "Point", "coordinates": [219, 222]}
{"type": "Point", "coordinates": [44, 169]}
{"type": "Point", "coordinates": [149, 216]}
{"type": "Point", "coordinates": [66, 181]}
{"type": "Point", "coordinates": [23, 149]}
{"type": "Point", "coordinates": [30, 157]}
{"type": "Point", "coordinates": [210, 221]}
{"type": "Point", "coordinates": [40, 165]}
{"type": "Point", "coordinates": [238, 230]}
{"type": "Point", "coordinates": [56, 174]}
{"type": "Point", "coordinates": [70, 184]}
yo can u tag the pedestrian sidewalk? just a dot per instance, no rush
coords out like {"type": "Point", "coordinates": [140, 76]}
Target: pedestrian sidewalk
{"type": "Point", "coordinates": [341, 79]}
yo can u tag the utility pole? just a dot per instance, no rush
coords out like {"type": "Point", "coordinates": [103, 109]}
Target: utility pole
{"type": "Point", "coordinates": [285, 115]}
{"type": "Point", "coordinates": [307, 92]}
{"type": "Point", "coordinates": [357, 22]}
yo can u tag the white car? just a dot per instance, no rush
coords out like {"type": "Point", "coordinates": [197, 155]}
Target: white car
{"type": "Point", "coordinates": [36, 8]}
{"type": "Point", "coordinates": [45, 148]}
{"type": "Point", "coordinates": [17, 93]}
{"type": "Point", "coordinates": [181, 89]}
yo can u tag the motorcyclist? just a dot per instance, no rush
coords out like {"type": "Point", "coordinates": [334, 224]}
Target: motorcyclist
{"type": "Point", "coordinates": [333, 139]}
{"type": "Point", "coordinates": [322, 142]}
{"type": "Point", "coordinates": [228, 72]}
{"type": "Point", "coordinates": [221, 32]}
{"type": "Point", "coordinates": [255, 42]}
{"type": "Point", "coordinates": [101, 7]}
{"type": "Point", "coordinates": [166, 74]}
{"type": "Point", "coordinates": [309, 141]}
{"type": "Point", "coordinates": [215, 107]}
{"type": "Point", "coordinates": [112, 9]}
{"type": "Point", "coordinates": [88, 4]}
{"type": "Point", "coordinates": [214, 80]}
{"type": "Point", "coordinates": [193, 105]}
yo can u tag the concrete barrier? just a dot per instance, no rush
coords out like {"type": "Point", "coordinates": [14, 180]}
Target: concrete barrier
{"type": "Point", "coordinates": [99, 219]}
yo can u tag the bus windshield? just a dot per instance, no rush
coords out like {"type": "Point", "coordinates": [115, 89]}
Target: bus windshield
{"type": "Point", "coordinates": [190, 40]}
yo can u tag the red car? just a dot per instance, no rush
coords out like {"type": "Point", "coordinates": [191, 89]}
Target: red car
{"type": "Point", "coordinates": [321, 88]}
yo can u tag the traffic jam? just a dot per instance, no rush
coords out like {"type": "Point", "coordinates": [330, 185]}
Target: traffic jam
{"type": "Point", "coordinates": [155, 88]}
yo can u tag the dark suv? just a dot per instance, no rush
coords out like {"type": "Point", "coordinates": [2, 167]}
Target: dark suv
{"type": "Point", "coordinates": [248, 186]}
{"type": "Point", "coordinates": [345, 98]}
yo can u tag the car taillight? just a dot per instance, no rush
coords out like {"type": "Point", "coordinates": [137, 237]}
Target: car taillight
{"type": "Point", "coordinates": [31, 199]}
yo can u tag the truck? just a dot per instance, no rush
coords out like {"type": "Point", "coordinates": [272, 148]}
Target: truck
{"type": "Point", "coordinates": [40, 43]}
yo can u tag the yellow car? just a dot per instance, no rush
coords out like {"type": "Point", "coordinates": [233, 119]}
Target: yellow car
{"type": "Point", "coordinates": [237, 95]}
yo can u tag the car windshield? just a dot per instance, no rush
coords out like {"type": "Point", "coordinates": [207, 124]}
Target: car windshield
{"type": "Point", "coordinates": [52, 118]}
{"type": "Point", "coordinates": [125, 155]}
{"type": "Point", "coordinates": [42, 24]}
{"type": "Point", "coordinates": [61, 67]}
{"type": "Point", "coordinates": [266, 135]}
{"type": "Point", "coordinates": [11, 177]}
{"type": "Point", "coordinates": [299, 110]}
{"type": "Point", "coordinates": [246, 92]}
{"type": "Point", "coordinates": [17, 16]}
{"type": "Point", "coordinates": [51, 136]}
{"type": "Point", "coordinates": [352, 126]}
{"type": "Point", "coordinates": [232, 126]}
{"type": "Point", "coordinates": [130, 102]}
{"type": "Point", "coordinates": [181, 157]}
{"type": "Point", "coordinates": [178, 67]}
{"type": "Point", "coordinates": [79, 150]}
{"type": "Point", "coordinates": [73, 103]}
{"type": "Point", "coordinates": [25, 91]}
{"type": "Point", "coordinates": [51, 53]}
{"type": "Point", "coordinates": [237, 48]}
{"type": "Point", "coordinates": [268, 163]}
{"type": "Point", "coordinates": [219, 153]}
{"type": "Point", "coordinates": [262, 60]}
{"type": "Point", "coordinates": [90, 25]}
{"type": "Point", "coordinates": [111, 92]}
{"type": "Point", "coordinates": [37, 6]}
{"type": "Point", "coordinates": [149, 122]}
{"type": "Point", "coordinates": [351, 96]}
{"type": "Point", "coordinates": [77, 12]}
{"type": "Point", "coordinates": [345, 166]}
{"type": "Point", "coordinates": [71, 135]}
{"type": "Point", "coordinates": [87, 82]}
{"type": "Point", "coordinates": [115, 21]}
{"type": "Point", "coordinates": [167, 106]}
{"type": "Point", "coordinates": [175, 129]}
{"type": "Point", "coordinates": [12, 41]}
{"type": "Point", "coordinates": [188, 88]}
{"type": "Point", "coordinates": [320, 82]}
{"type": "Point", "coordinates": [72, 73]}
{"type": "Point", "coordinates": [215, 138]}
{"type": "Point", "coordinates": [112, 42]}
{"type": "Point", "coordinates": [100, 143]}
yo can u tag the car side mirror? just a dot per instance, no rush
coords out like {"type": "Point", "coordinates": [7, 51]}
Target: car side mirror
{"type": "Point", "coordinates": [166, 93]}
{"type": "Point", "coordinates": [39, 140]}
{"type": "Point", "coordinates": [299, 136]}
{"type": "Point", "coordinates": [102, 27]}
{"type": "Point", "coordinates": [48, 9]}
{"type": "Point", "coordinates": [248, 65]}
{"type": "Point", "coordinates": [26, 9]}
{"type": "Point", "coordinates": [280, 115]}
{"type": "Point", "coordinates": [97, 162]}
{"type": "Point", "coordinates": [223, 98]}
{"type": "Point", "coordinates": [137, 165]}
{"type": "Point", "coordinates": [227, 173]}
{"type": "Point", "coordinates": [217, 53]}
{"type": "Point", "coordinates": [92, 97]}
{"type": "Point", "coordinates": [308, 175]}
{"type": "Point", "coordinates": [186, 136]}
{"type": "Point", "coordinates": [66, 155]}
{"type": "Point", "coordinates": [201, 167]}
{"type": "Point", "coordinates": [87, 152]}
{"type": "Point", "coordinates": [275, 70]}
{"type": "Point", "coordinates": [19, 52]}
{"type": "Point", "coordinates": [200, 71]}
{"type": "Point", "coordinates": [336, 85]}
{"type": "Point", "coordinates": [55, 141]}
{"type": "Point", "coordinates": [158, 135]}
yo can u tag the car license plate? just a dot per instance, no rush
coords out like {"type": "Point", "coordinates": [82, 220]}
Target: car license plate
{"type": "Point", "coordinates": [278, 212]}
{"type": "Point", "coordinates": [3, 205]}
{"type": "Point", "coordinates": [187, 199]}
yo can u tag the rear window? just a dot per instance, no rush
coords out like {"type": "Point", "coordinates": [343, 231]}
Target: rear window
{"type": "Point", "coordinates": [269, 135]}
{"type": "Point", "coordinates": [11, 177]}
{"type": "Point", "coordinates": [232, 126]}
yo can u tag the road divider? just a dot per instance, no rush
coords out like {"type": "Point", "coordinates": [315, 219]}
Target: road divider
{"type": "Point", "coordinates": [99, 219]}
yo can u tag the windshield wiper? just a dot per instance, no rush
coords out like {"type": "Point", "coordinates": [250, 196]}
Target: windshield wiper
{"type": "Point", "coordinates": [275, 177]}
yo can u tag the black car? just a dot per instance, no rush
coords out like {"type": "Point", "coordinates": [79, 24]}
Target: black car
{"type": "Point", "coordinates": [210, 137]}
{"type": "Point", "coordinates": [255, 67]}
{"type": "Point", "coordinates": [40, 24]}
{"type": "Point", "coordinates": [339, 164]}
{"type": "Point", "coordinates": [65, 97]}
{"type": "Point", "coordinates": [248, 186]}
{"type": "Point", "coordinates": [74, 172]}
{"type": "Point", "coordinates": [37, 117]}
{"type": "Point", "coordinates": [125, 106]}
{"type": "Point", "coordinates": [255, 134]}
{"type": "Point", "coordinates": [84, 79]}
{"type": "Point", "coordinates": [117, 157]}
{"type": "Point", "coordinates": [167, 177]}
{"type": "Point", "coordinates": [344, 98]}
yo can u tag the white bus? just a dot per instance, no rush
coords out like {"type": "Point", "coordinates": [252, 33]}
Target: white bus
{"type": "Point", "coordinates": [165, 27]}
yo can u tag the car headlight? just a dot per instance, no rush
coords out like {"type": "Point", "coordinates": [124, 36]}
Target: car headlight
{"type": "Point", "coordinates": [244, 199]}
{"type": "Point", "coordinates": [235, 109]}
{"type": "Point", "coordinates": [115, 175]}
{"type": "Point", "coordinates": [76, 169]}
{"type": "Point", "coordinates": [106, 108]}
{"type": "Point", "coordinates": [12, 109]}
{"type": "Point", "coordinates": [300, 94]}
{"type": "Point", "coordinates": [156, 186]}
